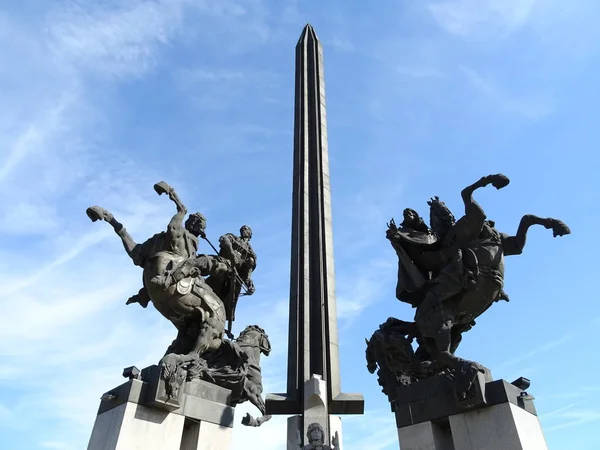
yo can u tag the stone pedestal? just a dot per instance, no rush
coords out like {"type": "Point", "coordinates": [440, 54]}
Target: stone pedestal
{"type": "Point", "coordinates": [138, 416]}
{"type": "Point", "coordinates": [495, 415]}
{"type": "Point", "coordinates": [425, 436]}
{"type": "Point", "coordinates": [504, 426]}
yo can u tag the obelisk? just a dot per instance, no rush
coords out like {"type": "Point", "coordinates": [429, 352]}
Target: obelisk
{"type": "Point", "coordinates": [313, 387]}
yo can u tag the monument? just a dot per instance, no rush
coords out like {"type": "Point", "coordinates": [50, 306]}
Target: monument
{"type": "Point", "coordinates": [451, 272]}
{"type": "Point", "coordinates": [187, 401]}
{"type": "Point", "coordinates": [314, 396]}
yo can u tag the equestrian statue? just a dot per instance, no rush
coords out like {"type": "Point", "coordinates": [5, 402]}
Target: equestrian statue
{"type": "Point", "coordinates": [198, 293]}
{"type": "Point", "coordinates": [451, 272]}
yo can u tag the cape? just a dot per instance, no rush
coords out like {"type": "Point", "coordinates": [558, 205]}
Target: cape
{"type": "Point", "coordinates": [410, 279]}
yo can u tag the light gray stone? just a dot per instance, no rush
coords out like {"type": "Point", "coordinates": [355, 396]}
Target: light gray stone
{"type": "Point", "coordinates": [425, 436]}
{"type": "Point", "coordinates": [498, 427]}
{"type": "Point", "coordinates": [132, 426]}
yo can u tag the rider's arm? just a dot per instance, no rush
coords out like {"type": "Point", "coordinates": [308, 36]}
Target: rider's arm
{"type": "Point", "coordinates": [175, 227]}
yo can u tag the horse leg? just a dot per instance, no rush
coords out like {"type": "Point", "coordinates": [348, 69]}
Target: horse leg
{"type": "Point", "coordinates": [513, 245]}
{"type": "Point", "coordinates": [131, 247]}
{"type": "Point", "coordinates": [254, 395]}
{"type": "Point", "coordinates": [208, 338]}
{"type": "Point", "coordinates": [472, 208]}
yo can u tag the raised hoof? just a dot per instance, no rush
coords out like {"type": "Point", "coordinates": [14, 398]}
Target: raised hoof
{"type": "Point", "coordinates": [162, 188]}
{"type": "Point", "coordinates": [499, 181]}
{"type": "Point", "coordinates": [97, 213]}
{"type": "Point", "coordinates": [559, 228]}
{"type": "Point", "coordinates": [249, 421]}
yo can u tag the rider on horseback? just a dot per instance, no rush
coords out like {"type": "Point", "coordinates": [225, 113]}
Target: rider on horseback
{"type": "Point", "coordinates": [454, 271]}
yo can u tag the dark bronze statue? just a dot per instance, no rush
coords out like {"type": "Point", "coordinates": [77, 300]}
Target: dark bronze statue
{"type": "Point", "coordinates": [451, 272]}
{"type": "Point", "coordinates": [174, 280]}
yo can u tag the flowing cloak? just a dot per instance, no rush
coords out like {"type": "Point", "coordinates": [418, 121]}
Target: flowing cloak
{"type": "Point", "coordinates": [411, 280]}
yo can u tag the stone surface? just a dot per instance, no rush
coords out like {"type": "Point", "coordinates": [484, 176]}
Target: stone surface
{"type": "Point", "coordinates": [425, 436]}
{"type": "Point", "coordinates": [132, 416]}
{"type": "Point", "coordinates": [435, 398]}
{"type": "Point", "coordinates": [314, 387]}
{"type": "Point", "coordinates": [213, 437]}
{"type": "Point", "coordinates": [132, 426]}
{"type": "Point", "coordinates": [498, 427]}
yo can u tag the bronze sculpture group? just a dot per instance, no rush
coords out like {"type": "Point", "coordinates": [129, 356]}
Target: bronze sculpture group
{"type": "Point", "coordinates": [451, 272]}
{"type": "Point", "coordinates": [198, 293]}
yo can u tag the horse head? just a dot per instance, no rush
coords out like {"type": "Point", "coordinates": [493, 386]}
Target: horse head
{"type": "Point", "coordinates": [373, 351]}
{"type": "Point", "coordinates": [255, 336]}
{"type": "Point", "coordinates": [441, 218]}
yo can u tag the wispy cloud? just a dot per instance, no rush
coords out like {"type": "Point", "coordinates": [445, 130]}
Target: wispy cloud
{"type": "Point", "coordinates": [65, 282]}
{"type": "Point", "coordinates": [526, 105]}
{"type": "Point", "coordinates": [342, 45]}
{"type": "Point", "coordinates": [468, 18]}
{"type": "Point", "coordinates": [541, 349]}
{"type": "Point", "coordinates": [570, 418]}
{"type": "Point", "coordinates": [113, 38]}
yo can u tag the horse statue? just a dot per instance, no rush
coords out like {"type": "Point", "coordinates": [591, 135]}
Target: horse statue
{"type": "Point", "coordinates": [236, 366]}
{"type": "Point", "coordinates": [254, 341]}
{"type": "Point", "coordinates": [451, 273]}
{"type": "Point", "coordinates": [188, 302]}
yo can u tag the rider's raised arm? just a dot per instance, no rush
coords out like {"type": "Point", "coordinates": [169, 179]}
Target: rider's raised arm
{"type": "Point", "coordinates": [175, 228]}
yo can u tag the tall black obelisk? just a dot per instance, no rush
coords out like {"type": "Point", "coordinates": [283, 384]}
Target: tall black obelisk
{"type": "Point", "coordinates": [313, 388]}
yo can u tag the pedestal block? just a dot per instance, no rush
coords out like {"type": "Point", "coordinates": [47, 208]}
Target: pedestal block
{"type": "Point", "coordinates": [139, 416]}
{"type": "Point", "coordinates": [495, 415]}
{"type": "Point", "coordinates": [497, 427]}
{"type": "Point", "coordinates": [425, 436]}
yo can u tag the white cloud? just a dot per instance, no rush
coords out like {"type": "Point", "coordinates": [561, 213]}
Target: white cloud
{"type": "Point", "coordinates": [528, 105]}
{"type": "Point", "coordinates": [570, 418]}
{"type": "Point", "coordinates": [114, 38]}
{"type": "Point", "coordinates": [535, 351]}
{"type": "Point", "coordinates": [477, 18]}
{"type": "Point", "coordinates": [65, 331]}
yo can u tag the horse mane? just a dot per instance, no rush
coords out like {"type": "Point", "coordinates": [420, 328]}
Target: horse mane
{"type": "Point", "coordinates": [251, 328]}
{"type": "Point", "coordinates": [441, 218]}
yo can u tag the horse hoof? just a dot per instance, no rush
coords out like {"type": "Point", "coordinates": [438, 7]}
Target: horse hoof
{"type": "Point", "coordinates": [499, 181]}
{"type": "Point", "coordinates": [560, 228]}
{"type": "Point", "coordinates": [162, 188]}
{"type": "Point", "coordinates": [97, 213]}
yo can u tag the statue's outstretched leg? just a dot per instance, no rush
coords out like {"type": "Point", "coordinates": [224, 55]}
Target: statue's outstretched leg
{"type": "Point", "coordinates": [142, 297]}
{"type": "Point", "coordinates": [209, 338]}
{"type": "Point", "coordinates": [250, 421]}
{"type": "Point", "coordinates": [472, 208]}
{"type": "Point", "coordinates": [513, 245]}
{"type": "Point", "coordinates": [96, 213]}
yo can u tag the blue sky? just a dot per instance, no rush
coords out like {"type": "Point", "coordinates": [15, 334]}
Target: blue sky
{"type": "Point", "coordinates": [100, 100]}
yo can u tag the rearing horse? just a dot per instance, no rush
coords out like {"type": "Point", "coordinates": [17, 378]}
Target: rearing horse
{"type": "Point", "coordinates": [190, 304]}
{"type": "Point", "coordinates": [467, 263]}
